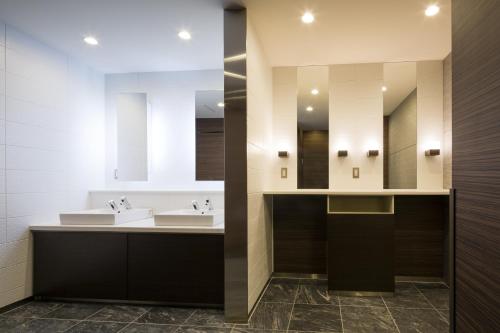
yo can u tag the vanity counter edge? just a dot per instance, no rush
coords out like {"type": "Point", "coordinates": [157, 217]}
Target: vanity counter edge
{"type": "Point", "coordinates": [358, 192]}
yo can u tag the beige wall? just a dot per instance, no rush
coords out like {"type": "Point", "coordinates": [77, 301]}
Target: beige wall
{"type": "Point", "coordinates": [356, 124]}
{"type": "Point", "coordinates": [429, 123]}
{"type": "Point", "coordinates": [403, 144]}
{"type": "Point", "coordinates": [447, 107]}
{"type": "Point", "coordinates": [259, 139]}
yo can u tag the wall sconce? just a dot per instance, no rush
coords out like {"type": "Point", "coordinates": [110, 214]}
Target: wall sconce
{"type": "Point", "coordinates": [372, 153]}
{"type": "Point", "coordinates": [433, 152]}
{"type": "Point", "coordinates": [283, 154]}
{"type": "Point", "coordinates": [342, 153]}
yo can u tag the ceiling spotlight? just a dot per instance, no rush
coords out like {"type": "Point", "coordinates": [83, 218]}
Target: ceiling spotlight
{"type": "Point", "coordinates": [315, 91]}
{"type": "Point", "coordinates": [184, 34]}
{"type": "Point", "coordinates": [91, 40]}
{"type": "Point", "coordinates": [308, 18]}
{"type": "Point", "coordinates": [309, 109]}
{"type": "Point", "coordinates": [220, 104]}
{"type": "Point", "coordinates": [384, 88]}
{"type": "Point", "coordinates": [432, 10]}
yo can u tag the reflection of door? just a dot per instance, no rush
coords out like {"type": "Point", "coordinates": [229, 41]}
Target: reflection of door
{"type": "Point", "coordinates": [313, 159]}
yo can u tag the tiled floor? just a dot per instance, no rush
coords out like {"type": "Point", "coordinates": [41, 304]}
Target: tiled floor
{"type": "Point", "coordinates": [287, 305]}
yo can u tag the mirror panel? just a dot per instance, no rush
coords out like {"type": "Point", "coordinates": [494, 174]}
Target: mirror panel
{"type": "Point", "coordinates": [132, 137]}
{"type": "Point", "coordinates": [312, 127]}
{"type": "Point", "coordinates": [209, 106]}
{"type": "Point", "coordinates": [400, 125]}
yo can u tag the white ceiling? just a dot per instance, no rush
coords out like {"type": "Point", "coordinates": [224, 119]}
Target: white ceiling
{"type": "Point", "coordinates": [134, 35]}
{"type": "Point", "coordinates": [308, 78]}
{"type": "Point", "coordinates": [400, 78]}
{"type": "Point", "coordinates": [350, 31]}
{"type": "Point", "coordinates": [206, 104]}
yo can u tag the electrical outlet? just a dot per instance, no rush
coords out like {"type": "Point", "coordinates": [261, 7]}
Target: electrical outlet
{"type": "Point", "coordinates": [284, 173]}
{"type": "Point", "coordinates": [355, 172]}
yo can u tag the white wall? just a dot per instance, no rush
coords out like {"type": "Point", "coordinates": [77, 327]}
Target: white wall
{"type": "Point", "coordinates": [172, 152]}
{"type": "Point", "coordinates": [284, 128]}
{"type": "Point", "coordinates": [429, 123]}
{"type": "Point", "coordinates": [51, 147]}
{"type": "Point", "coordinates": [259, 139]}
{"type": "Point", "coordinates": [356, 124]}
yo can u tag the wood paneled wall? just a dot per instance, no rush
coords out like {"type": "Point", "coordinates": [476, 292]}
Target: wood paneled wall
{"type": "Point", "coordinates": [476, 163]}
{"type": "Point", "coordinates": [209, 148]}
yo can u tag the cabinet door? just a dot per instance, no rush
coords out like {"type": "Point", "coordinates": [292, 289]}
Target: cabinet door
{"type": "Point", "coordinates": [80, 265]}
{"type": "Point", "coordinates": [361, 252]}
{"type": "Point", "coordinates": [176, 268]}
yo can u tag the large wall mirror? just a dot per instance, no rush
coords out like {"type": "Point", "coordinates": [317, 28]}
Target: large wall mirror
{"type": "Point", "coordinates": [132, 137]}
{"type": "Point", "coordinates": [312, 127]}
{"type": "Point", "coordinates": [209, 106]}
{"type": "Point", "coordinates": [400, 125]}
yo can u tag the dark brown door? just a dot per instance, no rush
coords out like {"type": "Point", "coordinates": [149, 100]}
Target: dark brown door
{"type": "Point", "coordinates": [476, 163]}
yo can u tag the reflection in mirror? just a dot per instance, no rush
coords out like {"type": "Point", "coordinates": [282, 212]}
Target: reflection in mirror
{"type": "Point", "coordinates": [209, 106]}
{"type": "Point", "coordinates": [312, 127]}
{"type": "Point", "coordinates": [132, 137]}
{"type": "Point", "coordinates": [400, 125]}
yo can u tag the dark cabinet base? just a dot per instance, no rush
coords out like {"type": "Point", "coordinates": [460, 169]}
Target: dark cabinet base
{"type": "Point", "coordinates": [361, 253]}
{"type": "Point", "coordinates": [180, 269]}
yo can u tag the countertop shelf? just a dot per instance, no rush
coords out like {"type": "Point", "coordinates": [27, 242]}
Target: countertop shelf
{"type": "Point", "coordinates": [142, 226]}
{"type": "Point", "coordinates": [357, 192]}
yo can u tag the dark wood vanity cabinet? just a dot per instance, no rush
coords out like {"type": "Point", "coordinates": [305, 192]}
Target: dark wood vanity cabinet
{"type": "Point", "coordinates": [361, 252]}
{"type": "Point", "coordinates": [180, 268]}
{"type": "Point", "coordinates": [80, 265]}
{"type": "Point", "coordinates": [184, 269]}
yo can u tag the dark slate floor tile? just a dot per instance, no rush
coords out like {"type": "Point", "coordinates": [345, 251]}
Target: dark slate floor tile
{"type": "Point", "coordinates": [317, 318]}
{"type": "Point", "coordinates": [208, 317]}
{"type": "Point", "coordinates": [201, 329]}
{"type": "Point", "coordinates": [315, 294]}
{"type": "Point", "coordinates": [407, 295]}
{"type": "Point", "coordinates": [78, 311]}
{"type": "Point", "coordinates": [271, 316]}
{"type": "Point", "coordinates": [14, 324]}
{"type": "Point", "coordinates": [166, 315]}
{"type": "Point", "coordinates": [367, 320]}
{"type": "Point", "coordinates": [315, 282]}
{"type": "Point", "coordinates": [437, 294]}
{"type": "Point", "coordinates": [280, 293]}
{"type": "Point", "coordinates": [149, 328]}
{"type": "Point", "coordinates": [419, 320]}
{"type": "Point", "coordinates": [361, 301]}
{"type": "Point", "coordinates": [121, 313]}
{"type": "Point", "coordinates": [97, 327]}
{"type": "Point", "coordinates": [253, 330]}
{"type": "Point", "coordinates": [48, 325]}
{"type": "Point", "coordinates": [445, 314]}
{"type": "Point", "coordinates": [33, 309]}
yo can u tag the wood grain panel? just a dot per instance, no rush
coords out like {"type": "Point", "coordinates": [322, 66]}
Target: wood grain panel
{"type": "Point", "coordinates": [299, 232]}
{"type": "Point", "coordinates": [209, 148]}
{"type": "Point", "coordinates": [313, 159]}
{"type": "Point", "coordinates": [420, 235]}
{"type": "Point", "coordinates": [476, 163]}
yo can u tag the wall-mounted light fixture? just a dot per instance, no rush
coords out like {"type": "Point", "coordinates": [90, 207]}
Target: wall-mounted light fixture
{"type": "Point", "coordinates": [283, 153]}
{"type": "Point", "coordinates": [372, 153]}
{"type": "Point", "coordinates": [342, 153]}
{"type": "Point", "coordinates": [433, 152]}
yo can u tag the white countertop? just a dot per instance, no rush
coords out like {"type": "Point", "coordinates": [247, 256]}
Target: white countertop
{"type": "Point", "coordinates": [146, 225]}
{"type": "Point", "coordinates": [360, 192]}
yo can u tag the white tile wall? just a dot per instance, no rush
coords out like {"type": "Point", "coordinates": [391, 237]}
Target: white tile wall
{"type": "Point", "coordinates": [52, 110]}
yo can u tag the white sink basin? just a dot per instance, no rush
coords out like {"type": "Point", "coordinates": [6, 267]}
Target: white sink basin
{"type": "Point", "coordinates": [104, 216]}
{"type": "Point", "coordinates": [189, 217]}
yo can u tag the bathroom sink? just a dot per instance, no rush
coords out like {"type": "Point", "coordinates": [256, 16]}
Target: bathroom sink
{"type": "Point", "coordinates": [104, 216]}
{"type": "Point", "coordinates": [190, 217]}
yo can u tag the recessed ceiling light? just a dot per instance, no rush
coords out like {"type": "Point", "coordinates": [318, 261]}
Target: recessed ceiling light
{"type": "Point", "coordinates": [220, 104]}
{"type": "Point", "coordinates": [315, 91]}
{"type": "Point", "coordinates": [309, 109]}
{"type": "Point", "coordinates": [432, 10]}
{"type": "Point", "coordinates": [184, 34]}
{"type": "Point", "coordinates": [384, 88]}
{"type": "Point", "coordinates": [308, 18]}
{"type": "Point", "coordinates": [91, 40]}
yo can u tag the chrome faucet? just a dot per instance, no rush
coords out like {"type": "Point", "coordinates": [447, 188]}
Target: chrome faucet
{"type": "Point", "coordinates": [195, 205]}
{"type": "Point", "coordinates": [208, 204]}
{"type": "Point", "coordinates": [114, 207]}
{"type": "Point", "coordinates": [125, 203]}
